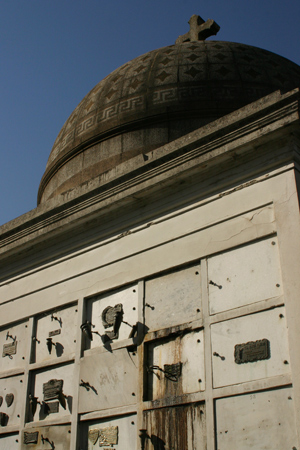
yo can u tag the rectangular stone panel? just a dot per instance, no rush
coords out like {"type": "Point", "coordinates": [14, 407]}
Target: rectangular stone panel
{"type": "Point", "coordinates": [9, 441]}
{"type": "Point", "coordinates": [175, 366]}
{"type": "Point", "coordinates": [47, 438]}
{"type": "Point", "coordinates": [108, 380]}
{"type": "Point", "coordinates": [51, 386]}
{"type": "Point", "coordinates": [56, 334]}
{"type": "Point", "coordinates": [244, 275]}
{"type": "Point", "coordinates": [13, 344]}
{"type": "Point", "coordinates": [118, 433]}
{"type": "Point", "coordinates": [176, 428]}
{"type": "Point", "coordinates": [114, 316]}
{"type": "Point", "coordinates": [173, 298]}
{"type": "Point", "coordinates": [262, 420]}
{"type": "Point", "coordinates": [11, 400]}
{"type": "Point", "coordinates": [250, 348]}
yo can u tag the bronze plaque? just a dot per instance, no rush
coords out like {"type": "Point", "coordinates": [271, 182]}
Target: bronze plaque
{"type": "Point", "coordinates": [252, 351]}
{"type": "Point", "coordinates": [52, 390]}
{"type": "Point", "coordinates": [108, 436]}
{"type": "Point", "coordinates": [9, 398]}
{"type": "Point", "coordinates": [31, 438]}
{"type": "Point", "coordinates": [9, 349]}
{"type": "Point", "coordinates": [53, 407]}
{"type": "Point", "coordinates": [172, 371]}
{"type": "Point", "coordinates": [93, 435]}
{"type": "Point", "coordinates": [54, 332]}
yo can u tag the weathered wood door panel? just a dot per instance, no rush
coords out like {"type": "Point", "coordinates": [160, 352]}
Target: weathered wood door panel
{"type": "Point", "coordinates": [176, 428]}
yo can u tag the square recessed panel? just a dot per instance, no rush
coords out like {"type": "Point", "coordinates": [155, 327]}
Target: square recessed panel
{"type": "Point", "coordinates": [47, 438]}
{"type": "Point", "coordinates": [109, 379]}
{"type": "Point", "coordinates": [244, 275]}
{"type": "Point", "coordinates": [173, 298]}
{"type": "Point", "coordinates": [250, 348]}
{"type": "Point", "coordinates": [53, 389]}
{"type": "Point", "coordinates": [114, 315]}
{"type": "Point", "coordinates": [262, 420]}
{"type": "Point", "coordinates": [13, 345]}
{"type": "Point", "coordinates": [11, 399]}
{"type": "Point", "coordinates": [118, 433]}
{"type": "Point", "coordinates": [175, 366]}
{"type": "Point", "coordinates": [9, 442]}
{"type": "Point", "coordinates": [56, 334]}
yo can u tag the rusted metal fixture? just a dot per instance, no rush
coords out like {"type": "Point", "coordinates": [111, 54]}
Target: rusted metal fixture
{"type": "Point", "coordinates": [58, 319]}
{"type": "Point", "coordinates": [50, 344]}
{"type": "Point", "coordinates": [86, 328]}
{"type": "Point", "coordinates": [143, 436]}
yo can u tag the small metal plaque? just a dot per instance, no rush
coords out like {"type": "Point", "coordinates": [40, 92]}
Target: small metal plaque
{"type": "Point", "coordinates": [53, 407]}
{"type": "Point", "coordinates": [93, 435]}
{"type": "Point", "coordinates": [108, 436]}
{"type": "Point", "coordinates": [54, 332]}
{"type": "Point", "coordinates": [31, 438]}
{"type": "Point", "coordinates": [172, 371]}
{"type": "Point", "coordinates": [52, 390]}
{"type": "Point", "coordinates": [252, 351]}
{"type": "Point", "coordinates": [9, 349]}
{"type": "Point", "coordinates": [9, 398]}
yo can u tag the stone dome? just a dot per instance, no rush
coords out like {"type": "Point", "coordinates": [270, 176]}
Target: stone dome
{"type": "Point", "coordinates": [155, 99]}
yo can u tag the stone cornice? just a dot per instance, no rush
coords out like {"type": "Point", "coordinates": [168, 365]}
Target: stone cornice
{"type": "Point", "coordinates": [257, 121]}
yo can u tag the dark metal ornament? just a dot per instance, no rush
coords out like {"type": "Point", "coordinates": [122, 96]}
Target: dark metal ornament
{"type": "Point", "coordinates": [86, 328]}
{"type": "Point", "coordinates": [3, 419]}
{"type": "Point", "coordinates": [112, 316]}
{"type": "Point", "coordinates": [172, 371]}
{"type": "Point", "coordinates": [9, 398]}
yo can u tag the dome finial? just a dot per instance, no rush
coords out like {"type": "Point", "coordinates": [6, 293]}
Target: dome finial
{"type": "Point", "coordinates": [199, 30]}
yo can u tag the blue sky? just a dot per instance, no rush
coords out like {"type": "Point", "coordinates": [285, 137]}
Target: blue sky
{"type": "Point", "coordinates": [53, 52]}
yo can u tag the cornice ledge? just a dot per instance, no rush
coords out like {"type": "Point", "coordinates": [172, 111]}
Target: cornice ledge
{"type": "Point", "coordinates": [252, 122]}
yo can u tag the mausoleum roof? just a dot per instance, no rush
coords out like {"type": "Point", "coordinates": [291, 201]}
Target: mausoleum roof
{"type": "Point", "coordinates": [157, 98]}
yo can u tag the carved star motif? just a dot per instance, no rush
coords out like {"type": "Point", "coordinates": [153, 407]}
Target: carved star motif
{"type": "Point", "coordinates": [135, 83]}
{"type": "Point", "coordinates": [223, 71]}
{"type": "Point", "coordinates": [192, 72]}
{"type": "Point", "coordinates": [163, 75]}
{"type": "Point", "coordinates": [165, 61]}
{"type": "Point", "coordinates": [139, 69]}
{"type": "Point", "coordinates": [193, 57]}
{"type": "Point", "coordinates": [111, 93]}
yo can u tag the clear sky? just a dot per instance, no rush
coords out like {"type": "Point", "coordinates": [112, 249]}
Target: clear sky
{"type": "Point", "coordinates": [53, 52]}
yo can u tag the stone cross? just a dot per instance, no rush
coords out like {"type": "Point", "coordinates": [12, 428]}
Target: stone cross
{"type": "Point", "coordinates": [199, 30]}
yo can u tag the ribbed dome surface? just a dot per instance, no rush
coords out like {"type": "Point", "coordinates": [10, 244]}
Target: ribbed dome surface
{"type": "Point", "coordinates": [156, 98]}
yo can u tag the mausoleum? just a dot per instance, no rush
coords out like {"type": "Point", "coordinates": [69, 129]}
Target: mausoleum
{"type": "Point", "coordinates": [150, 301]}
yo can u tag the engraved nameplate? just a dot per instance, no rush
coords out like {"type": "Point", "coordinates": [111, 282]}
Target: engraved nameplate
{"type": "Point", "coordinates": [31, 438]}
{"type": "Point", "coordinates": [52, 390]}
{"type": "Point", "coordinates": [54, 332]}
{"type": "Point", "coordinates": [93, 435]}
{"type": "Point", "coordinates": [108, 436]}
{"type": "Point", "coordinates": [252, 351]}
{"type": "Point", "coordinates": [9, 349]}
{"type": "Point", "coordinates": [172, 371]}
{"type": "Point", "coordinates": [52, 407]}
